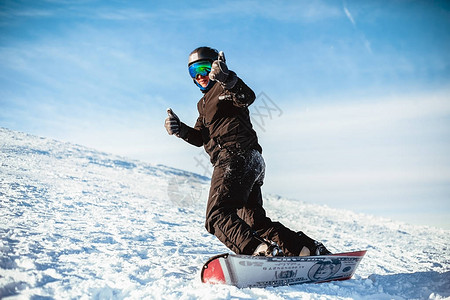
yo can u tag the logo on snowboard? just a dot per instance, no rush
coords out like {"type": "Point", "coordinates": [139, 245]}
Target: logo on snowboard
{"type": "Point", "coordinates": [324, 270]}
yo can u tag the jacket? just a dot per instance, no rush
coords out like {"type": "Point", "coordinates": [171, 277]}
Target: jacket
{"type": "Point", "coordinates": [224, 121]}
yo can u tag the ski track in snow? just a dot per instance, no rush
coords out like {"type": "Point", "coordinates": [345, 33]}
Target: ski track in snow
{"type": "Point", "coordinates": [78, 223]}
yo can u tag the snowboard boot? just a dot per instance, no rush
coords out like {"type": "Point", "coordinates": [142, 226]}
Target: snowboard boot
{"type": "Point", "coordinates": [268, 249]}
{"type": "Point", "coordinates": [312, 247]}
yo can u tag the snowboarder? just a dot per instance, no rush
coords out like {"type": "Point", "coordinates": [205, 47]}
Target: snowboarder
{"type": "Point", "coordinates": [234, 213]}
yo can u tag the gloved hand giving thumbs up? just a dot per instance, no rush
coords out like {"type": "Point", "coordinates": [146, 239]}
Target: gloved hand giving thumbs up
{"type": "Point", "coordinates": [172, 123]}
{"type": "Point", "coordinates": [220, 73]}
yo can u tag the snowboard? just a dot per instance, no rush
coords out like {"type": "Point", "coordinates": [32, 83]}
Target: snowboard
{"type": "Point", "coordinates": [259, 271]}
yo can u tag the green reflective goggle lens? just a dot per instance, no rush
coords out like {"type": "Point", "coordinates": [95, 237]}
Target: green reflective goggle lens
{"type": "Point", "coordinates": [200, 68]}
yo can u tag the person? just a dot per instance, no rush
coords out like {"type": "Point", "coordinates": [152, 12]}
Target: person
{"type": "Point", "coordinates": [234, 213]}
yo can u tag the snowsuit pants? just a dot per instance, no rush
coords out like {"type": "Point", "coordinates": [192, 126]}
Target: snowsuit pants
{"type": "Point", "coordinates": [235, 213]}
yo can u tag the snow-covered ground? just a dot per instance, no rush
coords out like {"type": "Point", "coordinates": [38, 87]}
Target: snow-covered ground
{"type": "Point", "coordinates": [78, 223]}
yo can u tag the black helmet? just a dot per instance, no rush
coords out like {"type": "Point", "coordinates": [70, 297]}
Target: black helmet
{"type": "Point", "coordinates": [203, 53]}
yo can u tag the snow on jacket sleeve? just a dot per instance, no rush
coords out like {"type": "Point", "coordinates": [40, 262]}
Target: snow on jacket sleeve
{"type": "Point", "coordinates": [241, 94]}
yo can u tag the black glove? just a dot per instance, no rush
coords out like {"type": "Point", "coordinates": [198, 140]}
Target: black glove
{"type": "Point", "coordinates": [172, 123]}
{"type": "Point", "coordinates": [220, 73]}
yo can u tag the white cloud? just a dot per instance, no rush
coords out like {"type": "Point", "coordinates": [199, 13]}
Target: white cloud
{"type": "Point", "coordinates": [363, 37]}
{"type": "Point", "coordinates": [391, 149]}
{"type": "Point", "coordinates": [376, 115]}
{"type": "Point", "coordinates": [349, 16]}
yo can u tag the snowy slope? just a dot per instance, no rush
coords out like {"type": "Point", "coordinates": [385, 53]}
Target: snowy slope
{"type": "Point", "coordinates": [78, 223]}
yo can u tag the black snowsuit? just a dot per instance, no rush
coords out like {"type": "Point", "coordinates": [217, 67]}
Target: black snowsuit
{"type": "Point", "coordinates": [235, 212]}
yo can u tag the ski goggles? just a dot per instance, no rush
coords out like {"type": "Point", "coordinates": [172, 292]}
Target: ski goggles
{"type": "Point", "coordinates": [200, 68]}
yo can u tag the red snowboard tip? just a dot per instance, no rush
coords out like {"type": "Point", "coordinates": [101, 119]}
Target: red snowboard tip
{"type": "Point", "coordinates": [212, 272]}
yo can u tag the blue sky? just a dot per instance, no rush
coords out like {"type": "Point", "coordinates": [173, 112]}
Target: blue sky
{"type": "Point", "coordinates": [354, 106]}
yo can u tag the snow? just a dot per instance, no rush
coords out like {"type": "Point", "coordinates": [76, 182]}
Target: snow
{"type": "Point", "coordinates": [78, 223]}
